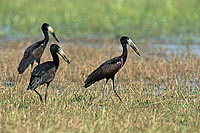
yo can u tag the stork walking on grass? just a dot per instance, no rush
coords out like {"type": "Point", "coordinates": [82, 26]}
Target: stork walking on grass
{"type": "Point", "coordinates": [35, 51]}
{"type": "Point", "coordinates": [110, 67]}
{"type": "Point", "coordinates": [44, 73]}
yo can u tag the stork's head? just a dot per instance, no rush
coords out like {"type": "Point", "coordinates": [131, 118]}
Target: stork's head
{"type": "Point", "coordinates": [47, 27]}
{"type": "Point", "coordinates": [125, 40]}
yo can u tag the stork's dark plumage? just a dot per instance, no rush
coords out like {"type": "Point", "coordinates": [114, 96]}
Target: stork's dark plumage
{"type": "Point", "coordinates": [109, 68]}
{"type": "Point", "coordinates": [44, 73]}
{"type": "Point", "coordinates": [35, 51]}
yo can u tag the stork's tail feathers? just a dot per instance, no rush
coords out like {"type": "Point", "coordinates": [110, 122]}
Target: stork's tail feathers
{"type": "Point", "coordinates": [34, 82]}
{"type": "Point", "coordinates": [90, 80]}
{"type": "Point", "coordinates": [87, 83]}
{"type": "Point", "coordinates": [24, 63]}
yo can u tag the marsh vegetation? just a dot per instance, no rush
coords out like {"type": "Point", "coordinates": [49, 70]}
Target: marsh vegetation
{"type": "Point", "coordinates": [160, 91]}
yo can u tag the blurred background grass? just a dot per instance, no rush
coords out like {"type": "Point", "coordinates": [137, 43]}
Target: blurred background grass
{"type": "Point", "coordinates": [155, 21]}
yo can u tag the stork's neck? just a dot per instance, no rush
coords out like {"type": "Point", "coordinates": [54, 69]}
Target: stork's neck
{"type": "Point", "coordinates": [124, 54]}
{"type": "Point", "coordinates": [55, 59]}
{"type": "Point", "coordinates": [46, 37]}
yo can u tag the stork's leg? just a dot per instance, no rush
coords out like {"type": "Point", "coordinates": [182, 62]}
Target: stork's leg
{"type": "Point", "coordinates": [115, 90]}
{"type": "Point", "coordinates": [105, 88]}
{"type": "Point", "coordinates": [38, 61]}
{"type": "Point", "coordinates": [46, 93]}
{"type": "Point", "coordinates": [39, 96]}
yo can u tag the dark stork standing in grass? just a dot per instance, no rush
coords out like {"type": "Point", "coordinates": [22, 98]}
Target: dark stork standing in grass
{"type": "Point", "coordinates": [109, 68]}
{"type": "Point", "coordinates": [35, 51]}
{"type": "Point", "coordinates": [44, 73]}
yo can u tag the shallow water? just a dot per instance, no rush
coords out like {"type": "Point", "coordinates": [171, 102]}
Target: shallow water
{"type": "Point", "coordinates": [178, 48]}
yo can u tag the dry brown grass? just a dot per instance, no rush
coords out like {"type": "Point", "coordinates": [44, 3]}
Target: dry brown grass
{"type": "Point", "coordinates": [160, 92]}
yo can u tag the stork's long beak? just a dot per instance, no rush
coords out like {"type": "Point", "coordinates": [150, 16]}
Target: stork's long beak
{"type": "Point", "coordinates": [61, 53]}
{"type": "Point", "coordinates": [133, 46]}
{"type": "Point", "coordinates": [51, 31]}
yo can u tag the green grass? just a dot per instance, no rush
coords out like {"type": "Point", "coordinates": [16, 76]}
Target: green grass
{"type": "Point", "coordinates": [155, 20]}
{"type": "Point", "coordinates": [160, 93]}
